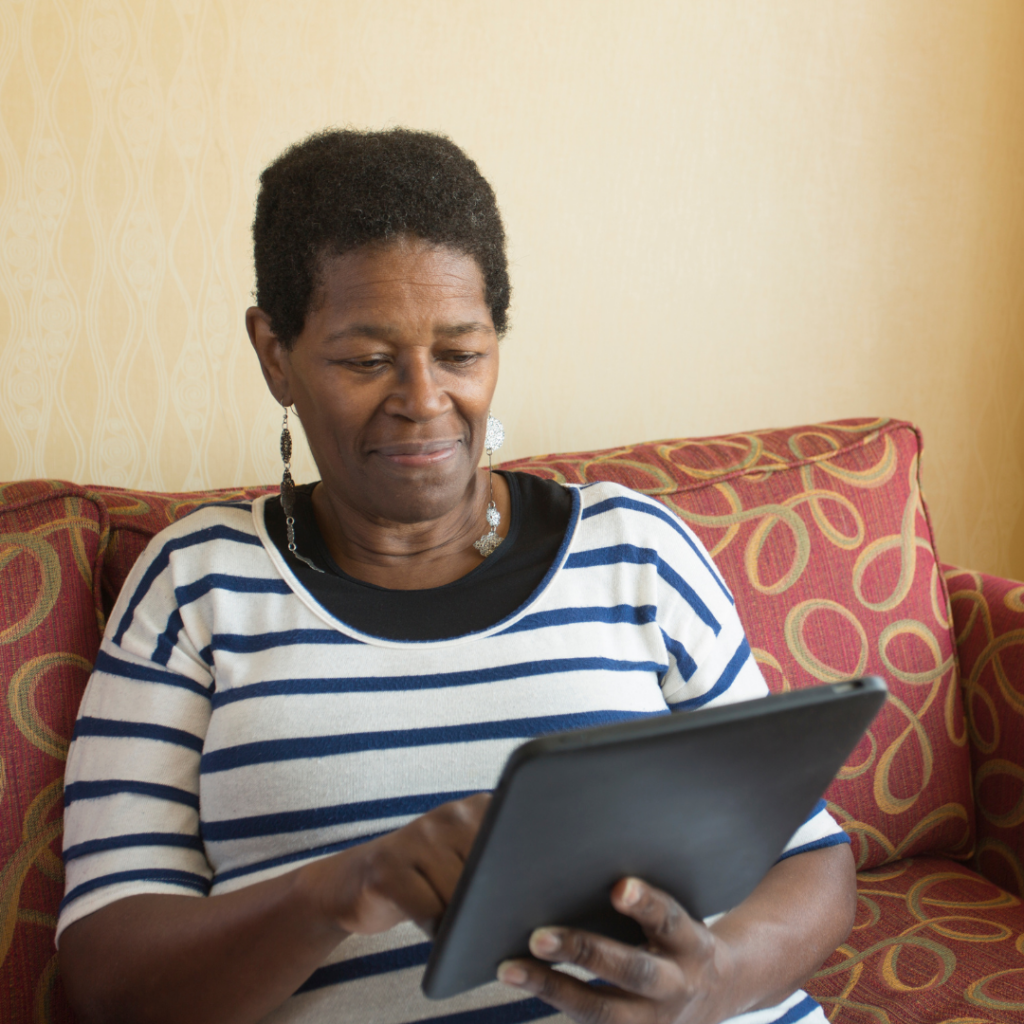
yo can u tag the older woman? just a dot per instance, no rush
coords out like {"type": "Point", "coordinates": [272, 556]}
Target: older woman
{"type": "Point", "coordinates": [283, 755]}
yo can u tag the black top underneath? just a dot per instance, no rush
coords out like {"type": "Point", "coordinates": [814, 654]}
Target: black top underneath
{"type": "Point", "coordinates": [492, 591]}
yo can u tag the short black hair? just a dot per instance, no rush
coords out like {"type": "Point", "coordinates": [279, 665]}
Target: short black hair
{"type": "Point", "coordinates": [342, 189]}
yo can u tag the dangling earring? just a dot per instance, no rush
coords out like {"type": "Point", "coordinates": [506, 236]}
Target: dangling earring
{"type": "Point", "coordinates": [493, 440]}
{"type": "Point", "coordinates": [288, 493]}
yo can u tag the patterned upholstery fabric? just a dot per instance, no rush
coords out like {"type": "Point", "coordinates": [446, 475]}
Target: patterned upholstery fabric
{"type": "Point", "coordinates": [989, 617]}
{"type": "Point", "coordinates": [52, 538]}
{"type": "Point", "coordinates": [823, 537]}
{"type": "Point", "coordinates": [933, 941]}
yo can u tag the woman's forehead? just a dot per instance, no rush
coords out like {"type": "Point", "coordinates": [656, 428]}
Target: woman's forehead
{"type": "Point", "coordinates": [400, 267]}
{"type": "Point", "coordinates": [407, 278]}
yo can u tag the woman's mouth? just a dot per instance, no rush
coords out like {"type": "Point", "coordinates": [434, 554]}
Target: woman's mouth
{"type": "Point", "coordinates": [417, 453]}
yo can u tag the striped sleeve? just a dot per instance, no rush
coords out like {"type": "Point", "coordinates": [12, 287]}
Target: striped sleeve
{"type": "Point", "coordinates": [708, 659]}
{"type": "Point", "coordinates": [131, 819]}
{"type": "Point", "coordinates": [818, 831]}
{"type": "Point", "coordinates": [708, 656]}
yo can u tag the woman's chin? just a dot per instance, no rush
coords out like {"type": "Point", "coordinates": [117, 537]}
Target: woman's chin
{"type": "Point", "coordinates": [420, 495]}
{"type": "Point", "coordinates": [428, 504]}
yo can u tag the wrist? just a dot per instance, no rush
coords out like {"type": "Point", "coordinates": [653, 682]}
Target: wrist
{"type": "Point", "coordinates": [738, 996]}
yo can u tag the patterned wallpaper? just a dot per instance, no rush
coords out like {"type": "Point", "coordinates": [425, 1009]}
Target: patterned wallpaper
{"type": "Point", "coordinates": [723, 215]}
{"type": "Point", "coordinates": [125, 270]}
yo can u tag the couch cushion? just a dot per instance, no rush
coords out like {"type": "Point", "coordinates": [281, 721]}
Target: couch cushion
{"type": "Point", "coordinates": [823, 536]}
{"type": "Point", "coordinates": [52, 539]}
{"type": "Point", "coordinates": [933, 941]}
{"type": "Point", "coordinates": [989, 617]}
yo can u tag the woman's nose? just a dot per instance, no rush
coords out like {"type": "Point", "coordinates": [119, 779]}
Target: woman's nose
{"type": "Point", "coordinates": [418, 394]}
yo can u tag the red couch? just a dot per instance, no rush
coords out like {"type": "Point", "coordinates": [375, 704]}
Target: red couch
{"type": "Point", "coordinates": [823, 536]}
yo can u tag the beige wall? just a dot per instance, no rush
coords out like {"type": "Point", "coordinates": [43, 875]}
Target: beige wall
{"type": "Point", "coordinates": [724, 214]}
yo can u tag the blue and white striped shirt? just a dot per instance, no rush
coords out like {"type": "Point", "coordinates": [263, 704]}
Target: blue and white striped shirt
{"type": "Point", "coordinates": [233, 729]}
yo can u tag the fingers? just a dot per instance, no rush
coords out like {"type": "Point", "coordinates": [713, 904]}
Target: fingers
{"type": "Point", "coordinates": [408, 874]}
{"type": "Point", "coordinates": [573, 998]}
{"type": "Point", "coordinates": [453, 825]}
{"type": "Point", "coordinates": [628, 968]}
{"type": "Point", "coordinates": [440, 874]}
{"type": "Point", "coordinates": [388, 900]}
{"type": "Point", "coordinates": [634, 976]}
{"type": "Point", "coordinates": [669, 929]}
{"type": "Point", "coordinates": [445, 837]}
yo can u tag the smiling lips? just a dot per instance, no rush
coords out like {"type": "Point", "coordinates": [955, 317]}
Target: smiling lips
{"type": "Point", "coordinates": [418, 453]}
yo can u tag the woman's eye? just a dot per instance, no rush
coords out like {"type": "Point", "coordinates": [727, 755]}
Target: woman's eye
{"type": "Point", "coordinates": [370, 363]}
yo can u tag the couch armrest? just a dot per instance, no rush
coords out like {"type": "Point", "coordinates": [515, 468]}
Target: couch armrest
{"type": "Point", "coordinates": [988, 617]}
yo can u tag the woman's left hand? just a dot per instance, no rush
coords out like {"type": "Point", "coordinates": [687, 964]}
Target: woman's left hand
{"type": "Point", "coordinates": [683, 975]}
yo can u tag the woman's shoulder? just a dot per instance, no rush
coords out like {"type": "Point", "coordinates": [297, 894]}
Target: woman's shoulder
{"type": "Point", "coordinates": [616, 516]}
{"type": "Point", "coordinates": [214, 515]}
{"type": "Point", "coordinates": [614, 503]}
{"type": "Point", "coordinates": [210, 529]}
{"type": "Point", "coordinates": [209, 547]}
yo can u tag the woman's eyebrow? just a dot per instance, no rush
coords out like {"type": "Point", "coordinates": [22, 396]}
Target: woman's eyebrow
{"type": "Point", "coordinates": [458, 330]}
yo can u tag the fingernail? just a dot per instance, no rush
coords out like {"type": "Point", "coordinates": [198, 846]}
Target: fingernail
{"type": "Point", "coordinates": [510, 973]}
{"type": "Point", "coordinates": [544, 940]}
{"type": "Point", "coordinates": [631, 894]}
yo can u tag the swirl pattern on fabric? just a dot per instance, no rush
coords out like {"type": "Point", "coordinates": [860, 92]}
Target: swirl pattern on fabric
{"type": "Point", "coordinates": [52, 538]}
{"type": "Point", "coordinates": [989, 620]}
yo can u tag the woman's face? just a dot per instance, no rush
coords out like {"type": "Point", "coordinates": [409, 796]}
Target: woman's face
{"type": "Point", "coordinates": [392, 378]}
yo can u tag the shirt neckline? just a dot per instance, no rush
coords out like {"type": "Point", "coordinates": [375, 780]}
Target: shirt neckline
{"type": "Point", "coordinates": [295, 585]}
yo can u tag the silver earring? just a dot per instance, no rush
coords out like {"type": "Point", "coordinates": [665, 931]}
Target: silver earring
{"type": "Point", "coordinates": [493, 440]}
{"type": "Point", "coordinates": [288, 493]}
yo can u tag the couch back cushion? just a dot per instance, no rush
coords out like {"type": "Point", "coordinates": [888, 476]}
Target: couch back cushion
{"type": "Point", "coordinates": [822, 534]}
{"type": "Point", "coordinates": [52, 540]}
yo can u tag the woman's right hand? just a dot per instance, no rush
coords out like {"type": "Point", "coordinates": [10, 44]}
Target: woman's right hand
{"type": "Point", "coordinates": [406, 875]}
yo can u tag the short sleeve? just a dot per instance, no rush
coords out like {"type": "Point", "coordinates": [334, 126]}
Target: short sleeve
{"type": "Point", "coordinates": [131, 797]}
{"type": "Point", "coordinates": [709, 657]}
{"type": "Point", "coordinates": [709, 662]}
{"type": "Point", "coordinates": [818, 831]}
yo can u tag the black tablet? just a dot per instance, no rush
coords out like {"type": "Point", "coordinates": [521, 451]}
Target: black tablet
{"type": "Point", "coordinates": [700, 804]}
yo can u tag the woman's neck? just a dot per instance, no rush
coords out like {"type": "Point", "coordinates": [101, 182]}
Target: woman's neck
{"type": "Point", "coordinates": [409, 556]}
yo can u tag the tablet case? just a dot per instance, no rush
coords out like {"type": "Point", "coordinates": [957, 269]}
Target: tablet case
{"type": "Point", "coordinates": [699, 804]}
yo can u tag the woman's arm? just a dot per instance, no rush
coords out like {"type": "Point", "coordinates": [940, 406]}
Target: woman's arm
{"type": "Point", "coordinates": [755, 956]}
{"type": "Point", "coordinates": [790, 924]}
{"type": "Point", "coordinates": [231, 959]}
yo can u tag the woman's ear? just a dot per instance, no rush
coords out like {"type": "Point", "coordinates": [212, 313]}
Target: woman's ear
{"type": "Point", "coordinates": [273, 356]}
